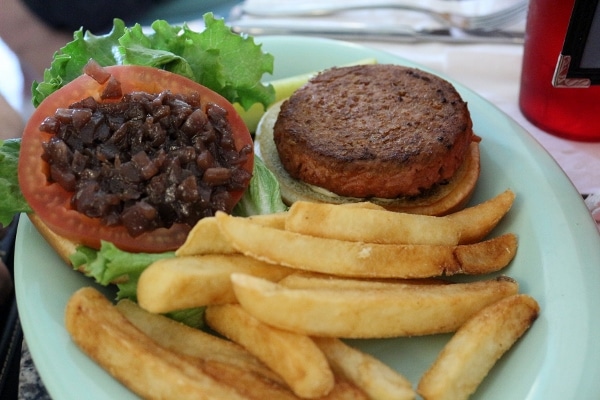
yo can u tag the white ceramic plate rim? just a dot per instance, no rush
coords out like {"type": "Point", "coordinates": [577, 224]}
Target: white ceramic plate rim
{"type": "Point", "coordinates": [558, 263]}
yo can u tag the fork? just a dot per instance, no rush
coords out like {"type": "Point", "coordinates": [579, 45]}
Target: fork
{"type": "Point", "coordinates": [485, 22]}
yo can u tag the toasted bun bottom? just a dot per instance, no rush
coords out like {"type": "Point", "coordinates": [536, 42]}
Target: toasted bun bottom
{"type": "Point", "coordinates": [439, 200]}
{"type": "Point", "coordinates": [63, 246]}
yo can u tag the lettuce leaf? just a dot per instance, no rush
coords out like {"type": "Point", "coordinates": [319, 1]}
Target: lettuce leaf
{"type": "Point", "coordinates": [230, 64]}
{"type": "Point", "coordinates": [12, 202]}
{"type": "Point", "coordinates": [263, 195]}
{"type": "Point", "coordinates": [111, 265]}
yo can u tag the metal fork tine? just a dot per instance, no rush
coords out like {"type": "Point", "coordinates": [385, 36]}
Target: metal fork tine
{"type": "Point", "coordinates": [483, 22]}
{"type": "Point", "coordinates": [499, 19]}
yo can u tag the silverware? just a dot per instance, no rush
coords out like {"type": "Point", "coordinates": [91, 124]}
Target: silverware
{"type": "Point", "coordinates": [490, 21]}
{"type": "Point", "coordinates": [371, 31]}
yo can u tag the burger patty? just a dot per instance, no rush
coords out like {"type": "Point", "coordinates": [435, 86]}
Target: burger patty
{"type": "Point", "coordinates": [374, 131]}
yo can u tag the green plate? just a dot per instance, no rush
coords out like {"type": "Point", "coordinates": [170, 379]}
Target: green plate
{"type": "Point", "coordinates": [558, 262]}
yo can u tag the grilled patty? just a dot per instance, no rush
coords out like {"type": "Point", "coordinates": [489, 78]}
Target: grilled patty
{"type": "Point", "coordinates": [374, 131]}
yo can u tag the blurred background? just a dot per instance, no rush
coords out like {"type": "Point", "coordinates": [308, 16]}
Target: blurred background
{"type": "Point", "coordinates": [31, 31]}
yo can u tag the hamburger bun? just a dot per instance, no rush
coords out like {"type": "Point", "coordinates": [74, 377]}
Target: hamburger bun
{"type": "Point", "coordinates": [397, 136]}
{"type": "Point", "coordinates": [64, 247]}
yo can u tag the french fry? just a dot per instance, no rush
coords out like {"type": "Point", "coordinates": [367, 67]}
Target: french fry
{"type": "Point", "coordinates": [476, 222]}
{"type": "Point", "coordinates": [310, 280]}
{"type": "Point", "coordinates": [476, 346]}
{"type": "Point", "coordinates": [407, 310]}
{"type": "Point", "coordinates": [378, 380]}
{"type": "Point", "coordinates": [295, 357]}
{"type": "Point", "coordinates": [360, 224]}
{"type": "Point", "coordinates": [146, 368]}
{"type": "Point", "coordinates": [251, 385]}
{"type": "Point", "coordinates": [188, 341]}
{"type": "Point", "coordinates": [225, 361]}
{"type": "Point", "coordinates": [363, 204]}
{"type": "Point", "coordinates": [276, 221]}
{"type": "Point", "coordinates": [206, 238]}
{"type": "Point", "coordinates": [488, 256]}
{"type": "Point", "coordinates": [258, 389]}
{"type": "Point", "coordinates": [345, 390]}
{"type": "Point", "coordinates": [194, 281]}
{"type": "Point", "coordinates": [367, 260]}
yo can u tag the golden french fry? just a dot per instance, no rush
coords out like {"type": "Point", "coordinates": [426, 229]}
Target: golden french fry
{"type": "Point", "coordinates": [476, 222]}
{"type": "Point", "coordinates": [259, 389]}
{"type": "Point", "coordinates": [363, 204]}
{"type": "Point", "coordinates": [378, 380]}
{"type": "Point", "coordinates": [345, 390]}
{"type": "Point", "coordinates": [295, 357]}
{"type": "Point", "coordinates": [367, 260]}
{"type": "Point", "coordinates": [134, 359]}
{"type": "Point", "coordinates": [206, 238]}
{"type": "Point", "coordinates": [311, 280]}
{"type": "Point", "coordinates": [194, 281]}
{"type": "Point", "coordinates": [488, 256]}
{"type": "Point", "coordinates": [188, 341]}
{"type": "Point", "coordinates": [360, 224]}
{"type": "Point", "coordinates": [276, 220]}
{"type": "Point", "coordinates": [251, 385]}
{"type": "Point", "coordinates": [407, 310]}
{"type": "Point", "coordinates": [226, 361]}
{"type": "Point", "coordinates": [476, 346]}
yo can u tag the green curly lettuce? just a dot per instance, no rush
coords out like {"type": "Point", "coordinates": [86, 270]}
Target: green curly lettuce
{"type": "Point", "coordinates": [229, 64]}
{"type": "Point", "coordinates": [12, 202]}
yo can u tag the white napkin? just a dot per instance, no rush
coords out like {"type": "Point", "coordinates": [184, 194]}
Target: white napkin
{"type": "Point", "coordinates": [593, 204]}
{"type": "Point", "coordinates": [11, 87]}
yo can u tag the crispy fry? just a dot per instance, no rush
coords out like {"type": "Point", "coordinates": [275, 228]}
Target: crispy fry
{"type": "Point", "coordinates": [359, 224]}
{"type": "Point", "coordinates": [295, 357]}
{"type": "Point", "coordinates": [206, 238]}
{"type": "Point", "coordinates": [378, 380]}
{"type": "Point", "coordinates": [146, 368]}
{"type": "Point", "coordinates": [371, 313]}
{"type": "Point", "coordinates": [195, 281]}
{"type": "Point", "coordinates": [226, 361]}
{"type": "Point", "coordinates": [369, 260]}
{"type": "Point", "coordinates": [183, 339]}
{"type": "Point", "coordinates": [476, 222]}
{"type": "Point", "coordinates": [251, 385]}
{"type": "Point", "coordinates": [276, 221]}
{"type": "Point", "coordinates": [363, 204]}
{"type": "Point", "coordinates": [310, 280]}
{"type": "Point", "coordinates": [258, 389]}
{"type": "Point", "coordinates": [476, 346]}
{"type": "Point", "coordinates": [488, 256]}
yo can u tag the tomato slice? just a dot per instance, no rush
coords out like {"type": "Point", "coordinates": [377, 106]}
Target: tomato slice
{"type": "Point", "coordinates": [51, 203]}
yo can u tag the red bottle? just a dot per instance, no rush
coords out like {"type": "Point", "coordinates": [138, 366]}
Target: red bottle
{"type": "Point", "coordinates": [572, 113]}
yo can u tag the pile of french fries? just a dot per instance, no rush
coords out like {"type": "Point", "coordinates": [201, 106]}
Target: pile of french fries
{"type": "Point", "coordinates": [283, 290]}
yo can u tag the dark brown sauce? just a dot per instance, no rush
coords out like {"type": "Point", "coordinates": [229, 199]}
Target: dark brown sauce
{"type": "Point", "coordinates": [147, 161]}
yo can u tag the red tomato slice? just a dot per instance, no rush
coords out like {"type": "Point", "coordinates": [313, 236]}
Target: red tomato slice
{"type": "Point", "coordinates": [52, 203]}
